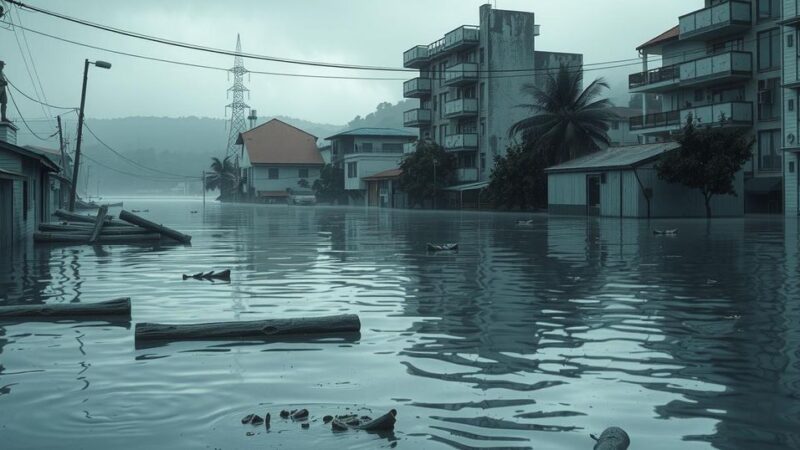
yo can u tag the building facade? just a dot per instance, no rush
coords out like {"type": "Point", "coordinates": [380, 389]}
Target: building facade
{"type": "Point", "coordinates": [619, 130]}
{"type": "Point", "coordinates": [470, 83]}
{"type": "Point", "coordinates": [722, 66]}
{"type": "Point", "coordinates": [277, 158]}
{"type": "Point", "coordinates": [364, 152]}
{"type": "Point", "coordinates": [791, 97]}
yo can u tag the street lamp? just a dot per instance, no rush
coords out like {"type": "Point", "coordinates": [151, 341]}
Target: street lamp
{"type": "Point", "coordinates": [77, 162]}
{"type": "Point", "coordinates": [434, 183]}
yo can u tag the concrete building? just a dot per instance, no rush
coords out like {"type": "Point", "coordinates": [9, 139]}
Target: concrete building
{"type": "Point", "coordinates": [791, 92]}
{"type": "Point", "coordinates": [470, 84]}
{"type": "Point", "coordinates": [365, 152]}
{"type": "Point", "coordinates": [619, 129]}
{"type": "Point", "coordinates": [622, 182]}
{"type": "Point", "coordinates": [722, 66]}
{"type": "Point", "coordinates": [277, 157]}
{"type": "Point", "coordinates": [29, 188]}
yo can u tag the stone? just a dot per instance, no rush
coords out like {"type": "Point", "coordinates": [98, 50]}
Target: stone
{"type": "Point", "coordinates": [285, 414]}
{"type": "Point", "coordinates": [612, 438]}
{"type": "Point", "coordinates": [327, 419]}
{"type": "Point", "coordinates": [304, 425]}
{"type": "Point", "coordinates": [257, 420]}
{"type": "Point", "coordinates": [300, 414]}
{"type": "Point", "coordinates": [247, 419]}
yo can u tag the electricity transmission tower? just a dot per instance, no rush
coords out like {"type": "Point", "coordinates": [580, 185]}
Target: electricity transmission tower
{"type": "Point", "coordinates": [238, 124]}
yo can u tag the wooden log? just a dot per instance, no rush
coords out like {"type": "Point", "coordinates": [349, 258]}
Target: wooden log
{"type": "Point", "coordinates": [75, 217]}
{"type": "Point", "coordinates": [152, 226]}
{"type": "Point", "coordinates": [98, 223]}
{"type": "Point", "coordinates": [260, 329]}
{"type": "Point", "coordinates": [116, 307]}
{"type": "Point", "coordinates": [103, 239]}
{"type": "Point", "coordinates": [106, 231]}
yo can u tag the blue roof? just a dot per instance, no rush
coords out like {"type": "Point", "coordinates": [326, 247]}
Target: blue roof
{"type": "Point", "coordinates": [616, 158]}
{"type": "Point", "coordinates": [377, 132]}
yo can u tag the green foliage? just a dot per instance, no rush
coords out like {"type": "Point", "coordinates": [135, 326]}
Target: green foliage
{"type": "Point", "coordinates": [303, 183]}
{"type": "Point", "coordinates": [420, 179]}
{"type": "Point", "coordinates": [708, 160]}
{"type": "Point", "coordinates": [518, 179]}
{"type": "Point", "coordinates": [567, 121]}
{"type": "Point", "coordinates": [330, 185]}
{"type": "Point", "coordinates": [222, 177]}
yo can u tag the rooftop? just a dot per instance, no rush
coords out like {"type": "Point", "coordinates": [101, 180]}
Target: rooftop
{"type": "Point", "coordinates": [666, 36]}
{"type": "Point", "coordinates": [385, 175]}
{"type": "Point", "coordinates": [375, 132]}
{"type": "Point", "coordinates": [277, 142]}
{"type": "Point", "coordinates": [616, 158]}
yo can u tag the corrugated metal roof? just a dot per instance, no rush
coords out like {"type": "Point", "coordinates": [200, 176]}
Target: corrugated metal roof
{"type": "Point", "coordinates": [385, 175]}
{"type": "Point", "coordinates": [668, 35]}
{"type": "Point", "coordinates": [616, 158]}
{"type": "Point", "coordinates": [277, 142]}
{"type": "Point", "coordinates": [468, 187]}
{"type": "Point", "coordinates": [375, 132]}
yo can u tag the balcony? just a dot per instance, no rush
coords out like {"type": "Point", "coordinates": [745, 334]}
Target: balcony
{"type": "Point", "coordinates": [729, 114]}
{"type": "Point", "coordinates": [716, 21]}
{"type": "Point", "coordinates": [467, 175]}
{"type": "Point", "coordinates": [729, 66]}
{"type": "Point", "coordinates": [461, 74]}
{"type": "Point", "coordinates": [417, 88]}
{"type": "Point", "coordinates": [416, 118]}
{"type": "Point", "coordinates": [461, 38]}
{"type": "Point", "coordinates": [461, 142]}
{"type": "Point", "coordinates": [415, 57]}
{"type": "Point", "coordinates": [463, 107]}
{"type": "Point", "coordinates": [655, 80]}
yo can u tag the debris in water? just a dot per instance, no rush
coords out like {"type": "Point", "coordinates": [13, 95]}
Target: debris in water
{"type": "Point", "coordinates": [612, 438]}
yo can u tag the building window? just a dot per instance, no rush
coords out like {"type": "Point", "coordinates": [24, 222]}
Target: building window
{"type": "Point", "coordinates": [302, 173]}
{"type": "Point", "coordinates": [769, 50]}
{"type": "Point", "coordinates": [699, 94]}
{"type": "Point", "coordinates": [273, 173]}
{"type": "Point", "coordinates": [481, 57]}
{"type": "Point", "coordinates": [352, 169]}
{"type": "Point", "coordinates": [366, 147]}
{"type": "Point", "coordinates": [483, 127]}
{"type": "Point", "coordinates": [768, 108]}
{"type": "Point", "coordinates": [615, 125]}
{"type": "Point", "coordinates": [769, 9]}
{"type": "Point", "coordinates": [483, 161]}
{"type": "Point", "coordinates": [389, 147]}
{"type": "Point", "coordinates": [482, 98]}
{"type": "Point", "coordinates": [726, 46]}
{"type": "Point", "coordinates": [769, 158]}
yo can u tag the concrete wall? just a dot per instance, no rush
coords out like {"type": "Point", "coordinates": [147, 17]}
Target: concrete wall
{"type": "Point", "coordinates": [368, 164]}
{"type": "Point", "coordinates": [288, 177]}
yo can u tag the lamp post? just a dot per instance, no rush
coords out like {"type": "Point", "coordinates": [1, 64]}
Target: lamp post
{"type": "Point", "coordinates": [434, 183]}
{"type": "Point", "coordinates": [77, 162]}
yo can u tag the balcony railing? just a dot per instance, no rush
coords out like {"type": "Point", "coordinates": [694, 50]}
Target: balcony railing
{"type": "Point", "coordinates": [415, 56]}
{"type": "Point", "coordinates": [461, 74]}
{"type": "Point", "coordinates": [717, 20]}
{"type": "Point", "coordinates": [662, 76]}
{"type": "Point", "coordinates": [461, 37]}
{"type": "Point", "coordinates": [417, 117]}
{"type": "Point", "coordinates": [730, 113]}
{"type": "Point", "coordinates": [467, 174]}
{"type": "Point", "coordinates": [461, 107]}
{"type": "Point", "coordinates": [417, 87]}
{"type": "Point", "coordinates": [461, 142]}
{"type": "Point", "coordinates": [716, 67]}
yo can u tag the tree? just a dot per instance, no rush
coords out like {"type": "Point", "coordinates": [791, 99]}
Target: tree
{"type": "Point", "coordinates": [708, 159]}
{"type": "Point", "coordinates": [330, 185]}
{"type": "Point", "coordinates": [518, 179]}
{"type": "Point", "coordinates": [222, 177]}
{"type": "Point", "coordinates": [427, 171]}
{"type": "Point", "coordinates": [303, 183]}
{"type": "Point", "coordinates": [567, 121]}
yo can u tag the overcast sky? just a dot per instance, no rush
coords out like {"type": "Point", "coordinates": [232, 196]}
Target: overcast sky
{"type": "Point", "coordinates": [366, 32]}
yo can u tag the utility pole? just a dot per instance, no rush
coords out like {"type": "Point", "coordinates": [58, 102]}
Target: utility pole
{"type": "Point", "coordinates": [434, 183]}
{"type": "Point", "coordinates": [204, 189]}
{"type": "Point", "coordinates": [63, 158]}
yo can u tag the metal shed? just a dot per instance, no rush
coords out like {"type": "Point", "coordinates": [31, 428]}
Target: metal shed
{"type": "Point", "coordinates": [622, 182]}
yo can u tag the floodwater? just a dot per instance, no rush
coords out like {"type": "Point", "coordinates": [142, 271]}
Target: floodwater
{"type": "Point", "coordinates": [528, 337]}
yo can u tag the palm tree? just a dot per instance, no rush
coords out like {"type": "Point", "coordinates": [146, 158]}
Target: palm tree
{"type": "Point", "coordinates": [222, 177]}
{"type": "Point", "coordinates": [568, 121]}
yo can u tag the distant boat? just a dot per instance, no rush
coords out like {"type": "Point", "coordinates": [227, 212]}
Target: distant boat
{"type": "Point", "coordinates": [671, 232]}
{"type": "Point", "coordinates": [442, 247]}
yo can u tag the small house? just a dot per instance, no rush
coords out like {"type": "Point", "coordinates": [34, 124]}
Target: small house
{"type": "Point", "coordinates": [383, 189]}
{"type": "Point", "coordinates": [623, 182]}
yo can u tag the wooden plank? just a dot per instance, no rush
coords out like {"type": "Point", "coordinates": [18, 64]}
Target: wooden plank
{"type": "Point", "coordinates": [83, 228]}
{"type": "Point", "coordinates": [116, 307]}
{"type": "Point", "coordinates": [75, 217]}
{"type": "Point", "coordinates": [103, 239]}
{"type": "Point", "coordinates": [260, 329]}
{"type": "Point", "coordinates": [98, 224]}
{"type": "Point", "coordinates": [152, 226]}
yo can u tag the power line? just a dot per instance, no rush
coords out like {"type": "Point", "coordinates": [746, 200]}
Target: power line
{"type": "Point", "coordinates": [147, 177]}
{"type": "Point", "coordinates": [14, 102]}
{"type": "Point", "coordinates": [25, 62]}
{"type": "Point", "coordinates": [33, 63]}
{"type": "Point", "coordinates": [37, 101]}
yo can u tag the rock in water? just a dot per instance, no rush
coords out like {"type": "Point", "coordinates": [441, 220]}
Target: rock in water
{"type": "Point", "coordinates": [257, 420]}
{"type": "Point", "coordinates": [301, 414]}
{"type": "Point", "coordinates": [327, 419]}
{"type": "Point", "coordinates": [285, 414]}
{"type": "Point", "coordinates": [304, 425]}
{"type": "Point", "coordinates": [247, 419]}
{"type": "Point", "coordinates": [266, 421]}
{"type": "Point", "coordinates": [613, 438]}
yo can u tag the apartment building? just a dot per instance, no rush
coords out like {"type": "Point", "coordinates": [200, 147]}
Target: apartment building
{"type": "Point", "coordinates": [791, 91]}
{"type": "Point", "coordinates": [722, 66]}
{"type": "Point", "coordinates": [470, 83]}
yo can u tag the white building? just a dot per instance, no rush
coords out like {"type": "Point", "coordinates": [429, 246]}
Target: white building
{"type": "Point", "coordinates": [619, 129]}
{"type": "Point", "coordinates": [276, 158]}
{"type": "Point", "coordinates": [470, 83]}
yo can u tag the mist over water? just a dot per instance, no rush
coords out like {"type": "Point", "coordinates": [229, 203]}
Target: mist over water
{"type": "Point", "coordinates": [528, 337]}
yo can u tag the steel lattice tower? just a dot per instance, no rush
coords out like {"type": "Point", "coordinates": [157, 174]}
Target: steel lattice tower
{"type": "Point", "coordinates": [238, 122]}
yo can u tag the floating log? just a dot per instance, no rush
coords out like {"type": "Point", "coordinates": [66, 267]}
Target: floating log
{"type": "Point", "coordinates": [116, 307]}
{"type": "Point", "coordinates": [383, 423]}
{"type": "Point", "coordinates": [98, 223]}
{"type": "Point", "coordinates": [82, 228]}
{"type": "Point", "coordinates": [225, 275]}
{"type": "Point", "coordinates": [442, 247]}
{"type": "Point", "coordinates": [671, 232]}
{"type": "Point", "coordinates": [348, 323]}
{"type": "Point", "coordinates": [612, 438]}
{"type": "Point", "coordinates": [75, 217]}
{"type": "Point", "coordinates": [102, 239]}
{"type": "Point", "coordinates": [152, 226]}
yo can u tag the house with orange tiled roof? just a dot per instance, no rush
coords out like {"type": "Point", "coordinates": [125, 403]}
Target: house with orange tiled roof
{"type": "Point", "coordinates": [277, 159]}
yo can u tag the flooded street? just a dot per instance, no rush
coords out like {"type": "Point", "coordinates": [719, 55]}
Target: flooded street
{"type": "Point", "coordinates": [528, 337]}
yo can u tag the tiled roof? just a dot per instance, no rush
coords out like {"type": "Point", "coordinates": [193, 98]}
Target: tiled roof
{"type": "Point", "coordinates": [616, 158]}
{"type": "Point", "coordinates": [376, 132]}
{"type": "Point", "coordinates": [668, 35]}
{"type": "Point", "coordinates": [385, 175]}
{"type": "Point", "coordinates": [277, 142]}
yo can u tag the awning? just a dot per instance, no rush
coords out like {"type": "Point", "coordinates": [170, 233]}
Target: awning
{"type": "Point", "coordinates": [7, 174]}
{"type": "Point", "coordinates": [762, 185]}
{"type": "Point", "coordinates": [468, 187]}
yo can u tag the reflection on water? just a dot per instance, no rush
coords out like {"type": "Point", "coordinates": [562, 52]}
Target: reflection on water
{"type": "Point", "coordinates": [528, 337]}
